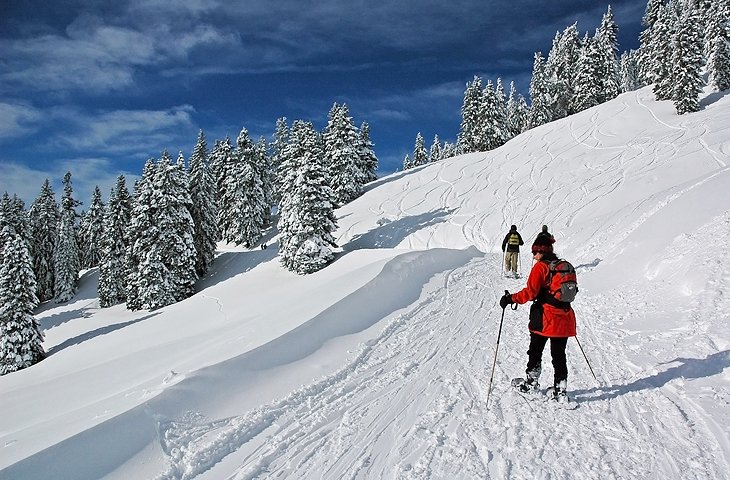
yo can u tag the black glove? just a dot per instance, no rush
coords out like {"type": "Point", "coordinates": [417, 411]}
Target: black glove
{"type": "Point", "coordinates": [505, 300]}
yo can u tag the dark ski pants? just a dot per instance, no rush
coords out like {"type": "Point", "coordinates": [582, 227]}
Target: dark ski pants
{"type": "Point", "coordinates": [557, 351]}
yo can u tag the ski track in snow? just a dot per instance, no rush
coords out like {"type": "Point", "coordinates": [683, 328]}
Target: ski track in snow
{"type": "Point", "coordinates": [412, 404]}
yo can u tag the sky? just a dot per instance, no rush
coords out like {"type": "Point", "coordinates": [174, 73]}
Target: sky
{"type": "Point", "coordinates": [379, 365]}
{"type": "Point", "coordinates": [98, 87]}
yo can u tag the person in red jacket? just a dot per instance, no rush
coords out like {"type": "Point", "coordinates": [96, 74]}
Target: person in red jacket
{"type": "Point", "coordinates": [554, 321]}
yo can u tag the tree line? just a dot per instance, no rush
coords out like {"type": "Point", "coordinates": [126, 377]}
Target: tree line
{"type": "Point", "coordinates": [151, 245]}
{"type": "Point", "coordinates": [684, 46]}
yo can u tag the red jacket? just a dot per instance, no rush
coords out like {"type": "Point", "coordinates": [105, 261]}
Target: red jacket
{"type": "Point", "coordinates": [557, 322]}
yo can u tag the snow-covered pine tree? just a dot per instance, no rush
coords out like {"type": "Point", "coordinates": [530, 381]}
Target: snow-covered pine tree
{"type": "Point", "coordinates": [43, 216]}
{"type": "Point", "coordinates": [470, 137]}
{"type": "Point", "coordinates": [140, 235]}
{"type": "Point", "coordinates": [687, 62]}
{"type": "Point", "coordinates": [608, 64]}
{"type": "Point", "coordinates": [663, 31]}
{"type": "Point", "coordinates": [162, 255]}
{"type": "Point", "coordinates": [629, 71]}
{"type": "Point", "coordinates": [20, 335]}
{"type": "Point", "coordinates": [448, 150]}
{"type": "Point", "coordinates": [12, 213]}
{"type": "Point", "coordinates": [718, 46]}
{"type": "Point", "coordinates": [265, 172]}
{"type": "Point", "coordinates": [278, 149]}
{"type": "Point", "coordinates": [588, 81]}
{"type": "Point", "coordinates": [434, 153]}
{"type": "Point", "coordinates": [220, 162]}
{"type": "Point", "coordinates": [516, 111]}
{"type": "Point", "coordinates": [341, 153]}
{"type": "Point", "coordinates": [307, 217]}
{"type": "Point", "coordinates": [230, 188]}
{"type": "Point", "coordinates": [646, 59]}
{"type": "Point", "coordinates": [494, 131]}
{"type": "Point", "coordinates": [561, 69]}
{"type": "Point", "coordinates": [242, 195]}
{"type": "Point", "coordinates": [66, 258]}
{"type": "Point", "coordinates": [368, 162]}
{"type": "Point", "coordinates": [407, 163]}
{"type": "Point", "coordinates": [204, 210]}
{"type": "Point", "coordinates": [420, 156]}
{"type": "Point", "coordinates": [540, 95]}
{"type": "Point", "coordinates": [90, 231]}
{"type": "Point", "coordinates": [112, 267]}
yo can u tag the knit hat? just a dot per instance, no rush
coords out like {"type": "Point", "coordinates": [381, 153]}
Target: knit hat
{"type": "Point", "coordinates": [544, 228]}
{"type": "Point", "coordinates": [542, 244]}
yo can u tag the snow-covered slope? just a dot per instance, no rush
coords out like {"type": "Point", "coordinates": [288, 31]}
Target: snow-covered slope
{"type": "Point", "coordinates": [378, 366]}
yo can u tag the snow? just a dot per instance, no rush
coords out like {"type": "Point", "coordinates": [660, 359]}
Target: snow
{"type": "Point", "coordinates": [378, 366]}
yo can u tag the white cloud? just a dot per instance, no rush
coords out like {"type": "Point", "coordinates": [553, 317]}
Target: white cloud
{"type": "Point", "coordinates": [17, 119]}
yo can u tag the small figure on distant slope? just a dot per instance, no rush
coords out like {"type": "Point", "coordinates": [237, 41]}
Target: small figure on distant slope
{"type": "Point", "coordinates": [511, 247]}
{"type": "Point", "coordinates": [545, 234]}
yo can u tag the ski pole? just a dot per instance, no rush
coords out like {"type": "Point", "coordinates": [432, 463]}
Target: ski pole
{"type": "Point", "coordinates": [586, 357]}
{"type": "Point", "coordinates": [494, 363]}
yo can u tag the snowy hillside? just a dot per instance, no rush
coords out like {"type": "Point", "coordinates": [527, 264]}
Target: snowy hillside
{"type": "Point", "coordinates": [378, 366]}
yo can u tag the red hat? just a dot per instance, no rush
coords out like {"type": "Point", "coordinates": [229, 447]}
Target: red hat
{"type": "Point", "coordinates": [542, 244]}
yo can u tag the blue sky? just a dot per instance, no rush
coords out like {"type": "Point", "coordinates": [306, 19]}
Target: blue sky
{"type": "Point", "coordinates": [97, 87]}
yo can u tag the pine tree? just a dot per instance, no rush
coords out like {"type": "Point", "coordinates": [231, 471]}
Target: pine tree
{"type": "Point", "coordinates": [608, 66]}
{"type": "Point", "coordinates": [629, 71]}
{"type": "Point", "coordinates": [20, 335]}
{"type": "Point", "coordinates": [342, 156]}
{"type": "Point", "coordinates": [718, 46]}
{"type": "Point", "coordinates": [540, 95]}
{"type": "Point", "coordinates": [13, 214]}
{"type": "Point", "coordinates": [278, 149]}
{"type": "Point", "coordinates": [265, 171]}
{"type": "Point", "coordinates": [161, 255]}
{"type": "Point", "coordinates": [588, 82]}
{"type": "Point", "coordinates": [448, 151]}
{"type": "Point", "coordinates": [434, 153]}
{"type": "Point", "coordinates": [420, 156]}
{"type": "Point", "coordinates": [687, 62]}
{"type": "Point", "coordinates": [307, 218]}
{"type": "Point", "coordinates": [112, 267]}
{"type": "Point", "coordinates": [230, 187]}
{"type": "Point", "coordinates": [470, 137]}
{"type": "Point", "coordinates": [44, 216]}
{"type": "Point", "coordinates": [204, 209]}
{"type": "Point", "coordinates": [494, 129]}
{"type": "Point", "coordinates": [663, 74]}
{"type": "Point", "coordinates": [407, 163]}
{"type": "Point", "coordinates": [516, 112]}
{"type": "Point", "coordinates": [367, 160]}
{"type": "Point", "coordinates": [66, 258]}
{"type": "Point", "coordinates": [646, 58]}
{"type": "Point", "coordinates": [91, 230]}
{"type": "Point", "coordinates": [561, 69]}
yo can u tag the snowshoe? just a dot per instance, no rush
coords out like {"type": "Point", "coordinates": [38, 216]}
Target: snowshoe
{"type": "Point", "coordinates": [559, 395]}
{"type": "Point", "coordinates": [526, 386]}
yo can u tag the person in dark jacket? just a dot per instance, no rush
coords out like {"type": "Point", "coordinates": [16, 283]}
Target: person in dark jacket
{"type": "Point", "coordinates": [511, 247]}
{"type": "Point", "coordinates": [545, 234]}
{"type": "Point", "coordinates": [547, 322]}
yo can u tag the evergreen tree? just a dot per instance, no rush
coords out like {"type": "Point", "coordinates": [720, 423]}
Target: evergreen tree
{"type": "Point", "coordinates": [112, 267]}
{"type": "Point", "coordinates": [13, 214]}
{"type": "Point", "coordinates": [342, 156]}
{"type": "Point", "coordinates": [607, 62]}
{"type": "Point", "coordinates": [687, 62]}
{"type": "Point", "coordinates": [91, 230]}
{"type": "Point", "coordinates": [434, 153]}
{"type": "Point", "coordinates": [307, 218]}
{"type": "Point", "coordinates": [648, 40]}
{"type": "Point", "coordinates": [230, 188]}
{"type": "Point", "coordinates": [540, 95]}
{"type": "Point", "coordinates": [449, 150]}
{"type": "Point", "coordinates": [44, 216]}
{"type": "Point", "coordinates": [516, 112]}
{"type": "Point", "coordinates": [663, 74]}
{"type": "Point", "coordinates": [629, 71]}
{"type": "Point", "coordinates": [470, 137]}
{"type": "Point", "coordinates": [368, 162]}
{"type": "Point", "coordinates": [588, 82]}
{"type": "Point", "coordinates": [20, 335]}
{"type": "Point", "coordinates": [718, 46]}
{"type": "Point", "coordinates": [162, 255]}
{"type": "Point", "coordinates": [265, 172]}
{"type": "Point", "coordinates": [278, 148]}
{"type": "Point", "coordinates": [494, 128]}
{"type": "Point", "coordinates": [66, 258]}
{"type": "Point", "coordinates": [561, 69]}
{"type": "Point", "coordinates": [407, 163]}
{"type": "Point", "coordinates": [420, 156]}
{"type": "Point", "coordinates": [204, 209]}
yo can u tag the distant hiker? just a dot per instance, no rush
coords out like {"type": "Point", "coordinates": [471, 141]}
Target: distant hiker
{"type": "Point", "coordinates": [544, 233]}
{"type": "Point", "coordinates": [263, 246]}
{"type": "Point", "coordinates": [550, 319]}
{"type": "Point", "coordinates": [511, 247]}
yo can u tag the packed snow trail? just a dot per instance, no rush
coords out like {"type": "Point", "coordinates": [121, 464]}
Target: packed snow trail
{"type": "Point", "coordinates": [412, 405]}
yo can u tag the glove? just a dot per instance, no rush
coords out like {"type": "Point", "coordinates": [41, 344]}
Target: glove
{"type": "Point", "coordinates": [505, 300]}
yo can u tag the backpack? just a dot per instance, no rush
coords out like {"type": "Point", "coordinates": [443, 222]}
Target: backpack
{"type": "Point", "coordinates": [514, 239]}
{"type": "Point", "coordinates": [562, 283]}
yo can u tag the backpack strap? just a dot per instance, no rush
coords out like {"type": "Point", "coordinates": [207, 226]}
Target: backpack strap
{"type": "Point", "coordinates": [545, 295]}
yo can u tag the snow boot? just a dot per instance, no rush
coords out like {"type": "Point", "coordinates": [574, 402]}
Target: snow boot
{"type": "Point", "coordinates": [529, 385]}
{"type": "Point", "coordinates": [560, 391]}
